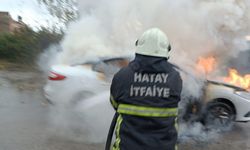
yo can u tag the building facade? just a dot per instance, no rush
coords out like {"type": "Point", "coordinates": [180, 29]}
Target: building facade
{"type": "Point", "coordinates": [8, 25]}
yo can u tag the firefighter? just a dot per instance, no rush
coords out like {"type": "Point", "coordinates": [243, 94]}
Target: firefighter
{"type": "Point", "coordinates": [145, 94]}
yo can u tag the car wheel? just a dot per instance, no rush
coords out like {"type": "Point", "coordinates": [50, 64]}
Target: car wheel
{"type": "Point", "coordinates": [219, 115]}
{"type": "Point", "coordinates": [192, 112]}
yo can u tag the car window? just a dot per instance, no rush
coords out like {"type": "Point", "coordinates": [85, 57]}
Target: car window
{"type": "Point", "coordinates": [110, 66]}
{"type": "Point", "coordinates": [88, 65]}
{"type": "Point", "coordinates": [118, 62]}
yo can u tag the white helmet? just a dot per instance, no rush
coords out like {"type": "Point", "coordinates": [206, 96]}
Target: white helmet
{"type": "Point", "coordinates": [153, 42]}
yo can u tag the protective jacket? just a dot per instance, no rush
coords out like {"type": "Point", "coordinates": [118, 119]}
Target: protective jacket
{"type": "Point", "coordinates": [146, 95]}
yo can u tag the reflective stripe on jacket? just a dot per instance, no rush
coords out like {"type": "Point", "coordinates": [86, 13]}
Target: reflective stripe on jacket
{"type": "Point", "coordinates": [147, 111]}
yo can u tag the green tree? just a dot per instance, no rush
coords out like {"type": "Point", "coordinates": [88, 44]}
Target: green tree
{"type": "Point", "coordinates": [19, 47]}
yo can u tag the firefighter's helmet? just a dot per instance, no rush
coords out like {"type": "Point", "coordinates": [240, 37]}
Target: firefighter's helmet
{"type": "Point", "coordinates": [153, 42]}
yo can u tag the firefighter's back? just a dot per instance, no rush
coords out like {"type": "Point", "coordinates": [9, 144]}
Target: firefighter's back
{"type": "Point", "coordinates": [147, 93]}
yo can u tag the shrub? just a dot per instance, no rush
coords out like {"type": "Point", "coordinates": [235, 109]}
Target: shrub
{"type": "Point", "coordinates": [24, 46]}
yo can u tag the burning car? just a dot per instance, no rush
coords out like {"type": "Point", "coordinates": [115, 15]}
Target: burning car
{"type": "Point", "coordinates": [223, 99]}
{"type": "Point", "coordinates": [80, 81]}
{"type": "Point", "coordinates": [220, 102]}
{"type": "Point", "coordinates": [220, 105]}
{"type": "Point", "coordinates": [228, 102]}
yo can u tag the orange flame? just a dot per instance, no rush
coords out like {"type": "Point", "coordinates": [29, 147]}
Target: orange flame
{"type": "Point", "coordinates": [206, 65]}
{"type": "Point", "coordinates": [236, 79]}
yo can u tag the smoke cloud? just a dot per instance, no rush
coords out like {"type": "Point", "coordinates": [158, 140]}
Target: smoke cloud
{"type": "Point", "coordinates": [195, 28]}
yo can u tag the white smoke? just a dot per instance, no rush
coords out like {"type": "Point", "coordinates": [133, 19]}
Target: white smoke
{"type": "Point", "coordinates": [197, 132]}
{"type": "Point", "coordinates": [48, 58]}
{"type": "Point", "coordinates": [194, 27]}
{"type": "Point", "coordinates": [88, 121]}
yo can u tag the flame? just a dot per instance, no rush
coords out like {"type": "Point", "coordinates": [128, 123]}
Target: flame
{"type": "Point", "coordinates": [206, 65]}
{"type": "Point", "coordinates": [236, 79]}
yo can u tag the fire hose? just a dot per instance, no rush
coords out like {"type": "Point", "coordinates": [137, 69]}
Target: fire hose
{"type": "Point", "coordinates": [111, 131]}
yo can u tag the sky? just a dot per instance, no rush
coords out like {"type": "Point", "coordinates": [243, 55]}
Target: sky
{"type": "Point", "coordinates": [31, 12]}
